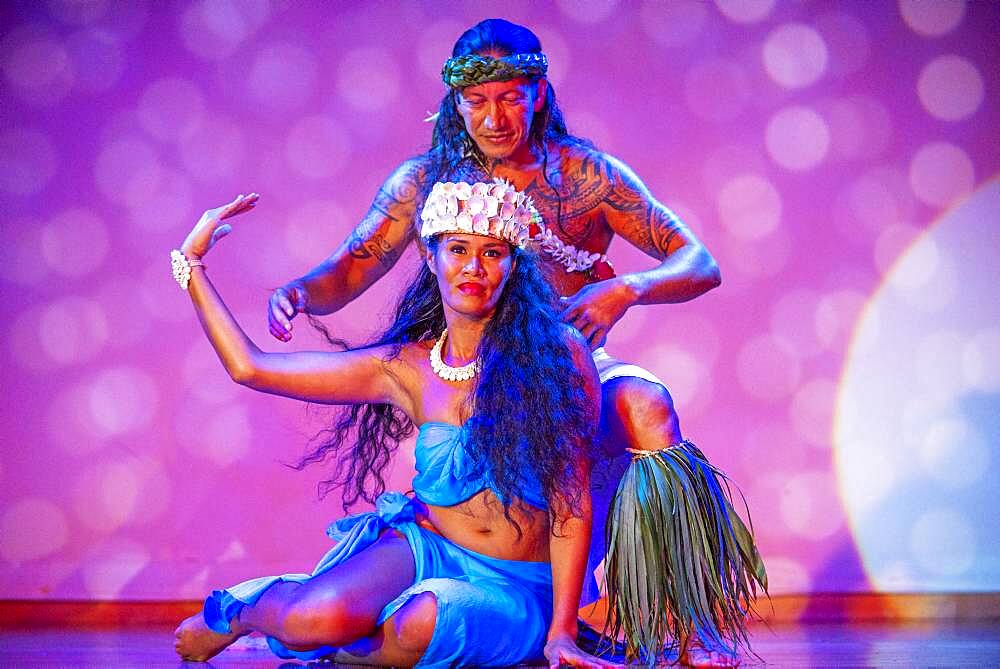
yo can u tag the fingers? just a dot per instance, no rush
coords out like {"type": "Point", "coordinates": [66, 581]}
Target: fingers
{"type": "Point", "coordinates": [221, 232]}
{"type": "Point", "coordinates": [241, 204]}
{"type": "Point", "coordinates": [279, 315]}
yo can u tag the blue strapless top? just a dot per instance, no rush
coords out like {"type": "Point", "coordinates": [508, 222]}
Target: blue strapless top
{"type": "Point", "coordinates": [447, 475]}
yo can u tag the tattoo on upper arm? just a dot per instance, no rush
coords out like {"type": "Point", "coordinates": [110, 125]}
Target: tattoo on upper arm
{"type": "Point", "coordinates": [643, 221]}
{"type": "Point", "coordinates": [389, 217]}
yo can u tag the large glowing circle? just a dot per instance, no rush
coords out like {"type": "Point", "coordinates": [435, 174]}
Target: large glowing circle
{"type": "Point", "coordinates": [950, 88]}
{"type": "Point", "coordinates": [795, 55]}
{"type": "Point", "coordinates": [797, 138]}
{"type": "Point", "coordinates": [368, 79]}
{"type": "Point", "coordinates": [910, 450]}
{"type": "Point", "coordinates": [673, 24]}
{"type": "Point", "coordinates": [32, 527]}
{"type": "Point", "coordinates": [941, 173]}
{"type": "Point", "coordinates": [29, 161]}
{"type": "Point", "coordinates": [931, 19]}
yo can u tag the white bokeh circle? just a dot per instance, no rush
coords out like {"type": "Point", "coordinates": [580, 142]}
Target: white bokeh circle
{"type": "Point", "coordinates": [795, 55]}
{"type": "Point", "coordinates": [122, 399]}
{"type": "Point", "coordinates": [673, 24]}
{"type": "Point", "coordinates": [170, 109]}
{"type": "Point", "coordinates": [317, 147]}
{"type": "Point", "coordinates": [745, 11]}
{"type": "Point", "coordinates": [587, 11]}
{"type": "Point", "coordinates": [128, 171]}
{"type": "Point", "coordinates": [37, 65]}
{"type": "Point", "coordinates": [75, 242]}
{"type": "Point", "coordinates": [749, 207]}
{"type": "Point", "coordinates": [214, 150]}
{"type": "Point", "coordinates": [931, 19]}
{"type": "Point", "coordinates": [72, 330]}
{"type": "Point", "coordinates": [368, 79]}
{"type": "Point", "coordinates": [282, 77]}
{"type": "Point", "coordinates": [810, 506]}
{"type": "Point", "coordinates": [768, 368]}
{"type": "Point", "coordinates": [29, 160]}
{"type": "Point", "coordinates": [941, 173]}
{"type": "Point", "coordinates": [950, 88]}
{"type": "Point", "coordinates": [98, 59]}
{"type": "Point", "coordinates": [797, 138]}
{"type": "Point", "coordinates": [32, 528]}
{"type": "Point", "coordinates": [215, 29]}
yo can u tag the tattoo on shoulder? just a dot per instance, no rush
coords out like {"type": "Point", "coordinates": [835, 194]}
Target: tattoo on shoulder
{"type": "Point", "coordinates": [391, 211]}
{"type": "Point", "coordinates": [643, 221]}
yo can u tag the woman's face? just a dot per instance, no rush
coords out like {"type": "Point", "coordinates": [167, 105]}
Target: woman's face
{"type": "Point", "coordinates": [471, 271]}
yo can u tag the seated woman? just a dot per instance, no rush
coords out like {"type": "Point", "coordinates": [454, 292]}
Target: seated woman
{"type": "Point", "coordinates": [484, 566]}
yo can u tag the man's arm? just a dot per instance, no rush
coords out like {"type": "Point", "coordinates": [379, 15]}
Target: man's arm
{"type": "Point", "coordinates": [362, 259]}
{"type": "Point", "coordinates": [686, 268]}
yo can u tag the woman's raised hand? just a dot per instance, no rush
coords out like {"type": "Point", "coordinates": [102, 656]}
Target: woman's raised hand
{"type": "Point", "coordinates": [210, 228]}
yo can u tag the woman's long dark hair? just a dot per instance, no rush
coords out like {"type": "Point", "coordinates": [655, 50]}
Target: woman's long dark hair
{"type": "Point", "coordinates": [529, 416]}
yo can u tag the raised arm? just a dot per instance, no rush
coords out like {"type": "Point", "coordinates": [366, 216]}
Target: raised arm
{"type": "Point", "coordinates": [686, 268]}
{"type": "Point", "coordinates": [362, 259]}
{"type": "Point", "coordinates": [349, 377]}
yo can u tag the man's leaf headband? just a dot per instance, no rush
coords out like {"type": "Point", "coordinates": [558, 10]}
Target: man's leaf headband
{"type": "Point", "coordinates": [473, 69]}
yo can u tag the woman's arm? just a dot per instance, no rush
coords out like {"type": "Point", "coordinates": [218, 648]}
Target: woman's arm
{"type": "Point", "coordinates": [569, 544]}
{"type": "Point", "coordinates": [349, 377]}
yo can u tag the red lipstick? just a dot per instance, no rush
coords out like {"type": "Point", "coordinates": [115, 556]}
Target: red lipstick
{"type": "Point", "coordinates": [469, 288]}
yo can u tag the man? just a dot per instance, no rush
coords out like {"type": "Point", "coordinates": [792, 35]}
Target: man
{"type": "Point", "coordinates": [500, 119]}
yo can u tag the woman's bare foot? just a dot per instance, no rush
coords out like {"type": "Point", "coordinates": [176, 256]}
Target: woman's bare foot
{"type": "Point", "coordinates": [697, 655]}
{"type": "Point", "coordinates": [197, 642]}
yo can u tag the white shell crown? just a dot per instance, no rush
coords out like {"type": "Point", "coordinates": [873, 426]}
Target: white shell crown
{"type": "Point", "coordinates": [494, 209]}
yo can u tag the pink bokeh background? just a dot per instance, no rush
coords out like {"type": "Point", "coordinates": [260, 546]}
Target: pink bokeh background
{"type": "Point", "coordinates": [809, 144]}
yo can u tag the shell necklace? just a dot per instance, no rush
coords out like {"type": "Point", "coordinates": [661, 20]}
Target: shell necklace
{"type": "Point", "coordinates": [446, 371]}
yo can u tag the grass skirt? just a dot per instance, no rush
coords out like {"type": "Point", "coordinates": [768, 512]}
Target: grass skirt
{"type": "Point", "coordinates": [679, 560]}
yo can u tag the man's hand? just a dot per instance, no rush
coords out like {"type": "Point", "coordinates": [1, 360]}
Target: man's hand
{"type": "Point", "coordinates": [285, 303]}
{"type": "Point", "coordinates": [563, 650]}
{"type": "Point", "coordinates": [597, 307]}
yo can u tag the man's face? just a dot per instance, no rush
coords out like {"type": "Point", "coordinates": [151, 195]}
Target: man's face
{"type": "Point", "coordinates": [498, 114]}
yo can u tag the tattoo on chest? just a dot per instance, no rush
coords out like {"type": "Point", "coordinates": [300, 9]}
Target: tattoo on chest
{"type": "Point", "coordinates": [570, 200]}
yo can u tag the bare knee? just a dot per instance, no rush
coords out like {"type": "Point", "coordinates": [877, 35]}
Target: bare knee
{"type": "Point", "coordinates": [413, 625]}
{"type": "Point", "coordinates": [643, 412]}
{"type": "Point", "coordinates": [318, 619]}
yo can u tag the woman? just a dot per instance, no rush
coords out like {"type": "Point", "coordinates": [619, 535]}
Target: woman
{"type": "Point", "coordinates": [497, 536]}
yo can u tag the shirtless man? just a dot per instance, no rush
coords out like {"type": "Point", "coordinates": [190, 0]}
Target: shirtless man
{"type": "Point", "coordinates": [499, 119]}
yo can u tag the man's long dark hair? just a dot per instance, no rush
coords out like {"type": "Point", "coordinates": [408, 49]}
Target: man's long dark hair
{"type": "Point", "coordinates": [451, 144]}
{"type": "Point", "coordinates": [528, 415]}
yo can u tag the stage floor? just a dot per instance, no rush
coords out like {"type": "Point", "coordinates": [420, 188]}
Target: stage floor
{"type": "Point", "coordinates": [813, 645]}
